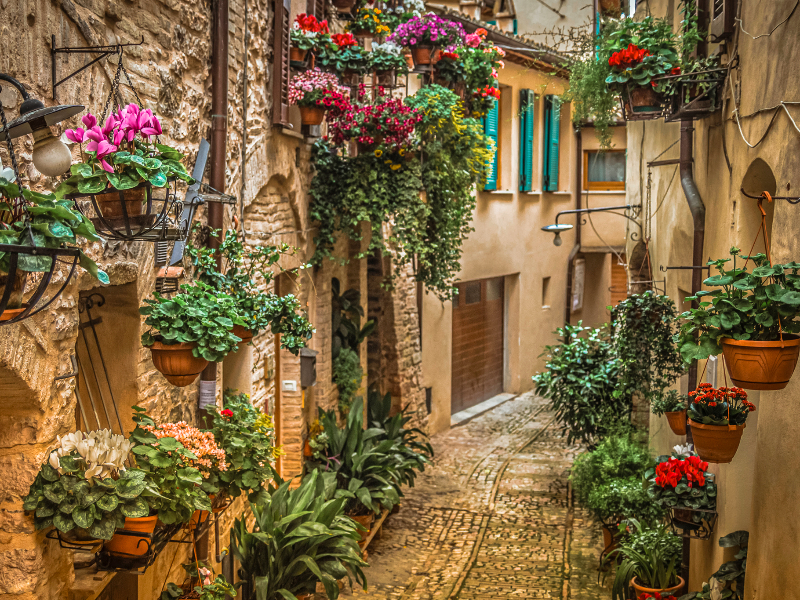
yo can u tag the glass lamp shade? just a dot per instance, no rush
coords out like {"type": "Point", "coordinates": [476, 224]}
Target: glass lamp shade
{"type": "Point", "coordinates": [50, 155]}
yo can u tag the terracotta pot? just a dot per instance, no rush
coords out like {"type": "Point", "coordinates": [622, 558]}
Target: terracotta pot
{"type": "Point", "coordinates": [133, 545]}
{"type": "Point", "coordinates": [677, 421]}
{"type": "Point", "coordinates": [177, 363]}
{"type": "Point", "coordinates": [610, 7]}
{"type": "Point", "coordinates": [644, 99]}
{"type": "Point", "coordinates": [423, 55]}
{"type": "Point", "coordinates": [17, 292]}
{"type": "Point", "coordinates": [223, 503]}
{"type": "Point", "coordinates": [363, 33]}
{"type": "Point", "coordinates": [716, 443]}
{"type": "Point", "coordinates": [198, 518]}
{"type": "Point", "coordinates": [304, 596]}
{"type": "Point", "coordinates": [243, 333]}
{"type": "Point", "coordinates": [671, 591]}
{"type": "Point", "coordinates": [308, 452]}
{"type": "Point", "coordinates": [610, 540]}
{"type": "Point", "coordinates": [761, 365]}
{"type": "Point", "coordinates": [409, 60]}
{"type": "Point", "coordinates": [111, 207]}
{"type": "Point", "coordinates": [364, 521]}
{"type": "Point", "coordinates": [297, 54]}
{"type": "Point", "coordinates": [311, 115]}
{"type": "Point", "coordinates": [344, 4]}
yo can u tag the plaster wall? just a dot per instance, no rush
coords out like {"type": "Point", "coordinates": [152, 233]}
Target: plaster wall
{"type": "Point", "coordinates": [761, 482]}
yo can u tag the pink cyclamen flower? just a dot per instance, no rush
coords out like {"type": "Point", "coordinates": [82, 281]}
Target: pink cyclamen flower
{"type": "Point", "coordinates": [76, 135]}
{"type": "Point", "coordinates": [89, 120]}
{"type": "Point", "coordinates": [103, 150]}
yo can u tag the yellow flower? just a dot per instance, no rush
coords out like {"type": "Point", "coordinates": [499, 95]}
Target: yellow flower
{"type": "Point", "coordinates": [387, 162]}
{"type": "Point", "coordinates": [402, 152]}
{"type": "Point", "coordinates": [379, 153]}
{"type": "Point", "coordinates": [377, 11]}
{"type": "Point", "coordinates": [395, 167]}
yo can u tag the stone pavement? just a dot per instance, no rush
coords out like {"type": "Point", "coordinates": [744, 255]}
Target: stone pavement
{"type": "Point", "coordinates": [492, 520]}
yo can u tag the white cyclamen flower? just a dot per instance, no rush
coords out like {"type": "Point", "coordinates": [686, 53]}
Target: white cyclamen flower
{"type": "Point", "coordinates": [54, 461]}
{"type": "Point", "coordinates": [685, 449]}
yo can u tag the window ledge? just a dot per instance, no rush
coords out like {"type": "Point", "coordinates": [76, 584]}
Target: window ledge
{"type": "Point", "coordinates": [559, 193]}
{"type": "Point", "coordinates": [603, 192]}
{"type": "Point", "coordinates": [498, 192]}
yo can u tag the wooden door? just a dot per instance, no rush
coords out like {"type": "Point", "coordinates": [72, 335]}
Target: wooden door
{"type": "Point", "coordinates": [478, 342]}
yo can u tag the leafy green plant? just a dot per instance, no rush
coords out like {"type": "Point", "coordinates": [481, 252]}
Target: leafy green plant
{"type": "Point", "coordinates": [723, 406]}
{"type": "Point", "coordinates": [364, 468]}
{"type": "Point", "coordinates": [657, 46]}
{"type": "Point", "coordinates": [206, 589]}
{"type": "Point", "coordinates": [621, 499]}
{"type": "Point", "coordinates": [299, 536]}
{"type": "Point", "coordinates": [83, 488]}
{"type": "Point", "coordinates": [346, 315]}
{"type": "Point", "coordinates": [167, 468]}
{"type": "Point", "coordinates": [759, 305]}
{"type": "Point", "coordinates": [728, 581]}
{"type": "Point", "coordinates": [347, 375]}
{"type": "Point", "coordinates": [247, 273]}
{"type": "Point", "coordinates": [580, 380]}
{"type": "Point", "coordinates": [247, 436]}
{"type": "Point", "coordinates": [411, 442]}
{"type": "Point", "coordinates": [618, 456]}
{"type": "Point", "coordinates": [654, 564]}
{"type": "Point", "coordinates": [670, 401]}
{"type": "Point", "coordinates": [642, 331]}
{"type": "Point", "coordinates": [46, 223]}
{"type": "Point", "coordinates": [198, 315]}
{"type": "Point", "coordinates": [386, 57]}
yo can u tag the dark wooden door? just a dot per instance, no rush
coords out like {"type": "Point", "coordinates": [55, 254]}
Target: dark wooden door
{"type": "Point", "coordinates": [478, 342]}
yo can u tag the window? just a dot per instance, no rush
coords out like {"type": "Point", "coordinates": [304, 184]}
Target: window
{"type": "Point", "coordinates": [491, 127]}
{"type": "Point", "coordinates": [472, 292]}
{"type": "Point", "coordinates": [552, 128]}
{"type": "Point", "coordinates": [526, 102]}
{"type": "Point", "coordinates": [604, 170]}
{"type": "Point", "coordinates": [545, 292]}
{"type": "Point", "coordinates": [280, 68]}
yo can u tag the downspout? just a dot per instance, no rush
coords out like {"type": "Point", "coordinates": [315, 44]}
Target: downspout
{"type": "Point", "coordinates": [698, 211]}
{"type": "Point", "coordinates": [577, 247]}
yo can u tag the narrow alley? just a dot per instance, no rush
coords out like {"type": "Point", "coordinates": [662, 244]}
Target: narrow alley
{"type": "Point", "coordinates": [493, 519]}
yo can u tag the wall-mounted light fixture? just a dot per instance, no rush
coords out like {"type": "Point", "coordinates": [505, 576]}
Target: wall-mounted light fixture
{"type": "Point", "coordinates": [559, 228]}
{"type": "Point", "coordinates": [50, 155]}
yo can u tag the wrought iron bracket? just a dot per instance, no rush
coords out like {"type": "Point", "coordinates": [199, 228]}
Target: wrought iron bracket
{"type": "Point", "coordinates": [664, 269]}
{"type": "Point", "coordinates": [634, 208]}
{"type": "Point", "coordinates": [104, 51]}
{"type": "Point", "coordinates": [789, 199]}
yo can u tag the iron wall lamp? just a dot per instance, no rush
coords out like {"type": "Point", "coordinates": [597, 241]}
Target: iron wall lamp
{"type": "Point", "coordinates": [559, 228]}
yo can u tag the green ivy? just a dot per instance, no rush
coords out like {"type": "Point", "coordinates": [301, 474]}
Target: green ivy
{"type": "Point", "coordinates": [347, 375]}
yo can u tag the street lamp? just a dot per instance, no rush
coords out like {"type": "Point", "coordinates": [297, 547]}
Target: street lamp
{"type": "Point", "coordinates": [559, 228]}
{"type": "Point", "coordinates": [50, 155]}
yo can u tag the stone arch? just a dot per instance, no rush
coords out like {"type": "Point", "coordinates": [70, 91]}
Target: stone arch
{"type": "Point", "coordinates": [757, 179]}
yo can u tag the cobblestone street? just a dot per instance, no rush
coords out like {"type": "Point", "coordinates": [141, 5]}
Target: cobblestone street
{"type": "Point", "coordinates": [493, 519]}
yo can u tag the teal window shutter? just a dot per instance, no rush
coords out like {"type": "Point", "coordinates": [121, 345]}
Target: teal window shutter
{"type": "Point", "coordinates": [490, 129]}
{"type": "Point", "coordinates": [526, 100]}
{"type": "Point", "coordinates": [552, 121]}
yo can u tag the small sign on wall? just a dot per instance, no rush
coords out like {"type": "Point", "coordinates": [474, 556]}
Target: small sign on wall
{"type": "Point", "coordinates": [578, 276]}
{"type": "Point", "coordinates": [289, 385]}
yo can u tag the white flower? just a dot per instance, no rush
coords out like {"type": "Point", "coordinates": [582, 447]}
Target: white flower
{"type": "Point", "coordinates": [8, 174]}
{"type": "Point", "coordinates": [102, 451]}
{"type": "Point", "coordinates": [54, 460]}
{"type": "Point", "coordinates": [686, 449]}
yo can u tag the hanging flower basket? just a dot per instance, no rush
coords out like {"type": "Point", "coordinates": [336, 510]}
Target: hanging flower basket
{"type": "Point", "coordinates": [12, 307]}
{"type": "Point", "coordinates": [344, 5]}
{"type": "Point", "coordinates": [243, 333]}
{"type": "Point", "coordinates": [143, 212]}
{"type": "Point", "coordinates": [692, 523]}
{"type": "Point", "coordinates": [312, 115]}
{"type": "Point", "coordinates": [677, 421]}
{"type": "Point", "coordinates": [297, 55]}
{"type": "Point", "coordinates": [134, 539]}
{"type": "Point", "coordinates": [422, 55]}
{"type": "Point", "coordinates": [757, 365]}
{"type": "Point", "coordinates": [177, 363]}
{"type": "Point", "coordinates": [716, 443]}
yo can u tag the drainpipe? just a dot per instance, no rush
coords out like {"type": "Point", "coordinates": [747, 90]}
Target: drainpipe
{"type": "Point", "coordinates": [577, 247]}
{"type": "Point", "coordinates": [698, 211]}
{"type": "Point", "coordinates": [219, 135]}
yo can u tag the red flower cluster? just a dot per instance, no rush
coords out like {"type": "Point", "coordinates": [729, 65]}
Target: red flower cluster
{"type": "Point", "coordinates": [654, 596]}
{"type": "Point", "coordinates": [630, 57]}
{"type": "Point", "coordinates": [391, 120]}
{"type": "Point", "coordinates": [309, 23]}
{"type": "Point", "coordinates": [708, 394]}
{"type": "Point", "coordinates": [671, 472]}
{"type": "Point", "coordinates": [487, 91]}
{"type": "Point", "coordinates": [344, 40]}
{"type": "Point", "coordinates": [448, 55]}
{"type": "Point", "coordinates": [227, 413]}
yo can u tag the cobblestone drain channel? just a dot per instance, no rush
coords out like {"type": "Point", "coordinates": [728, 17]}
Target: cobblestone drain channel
{"type": "Point", "coordinates": [492, 520]}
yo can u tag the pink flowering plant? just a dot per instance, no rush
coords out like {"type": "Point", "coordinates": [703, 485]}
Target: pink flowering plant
{"type": "Point", "coordinates": [428, 30]}
{"type": "Point", "coordinates": [482, 61]}
{"type": "Point", "coordinates": [315, 88]}
{"type": "Point", "coordinates": [170, 467]}
{"type": "Point", "coordinates": [121, 153]}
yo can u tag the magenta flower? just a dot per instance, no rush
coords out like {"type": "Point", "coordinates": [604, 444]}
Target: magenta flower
{"type": "Point", "coordinates": [76, 135]}
{"type": "Point", "coordinates": [89, 120]}
{"type": "Point", "coordinates": [472, 40]}
{"type": "Point", "coordinates": [103, 149]}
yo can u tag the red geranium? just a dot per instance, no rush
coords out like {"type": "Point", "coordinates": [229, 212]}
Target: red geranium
{"type": "Point", "coordinates": [227, 413]}
{"type": "Point", "coordinates": [630, 57]}
{"type": "Point", "coordinates": [344, 40]}
{"type": "Point", "coordinates": [309, 23]}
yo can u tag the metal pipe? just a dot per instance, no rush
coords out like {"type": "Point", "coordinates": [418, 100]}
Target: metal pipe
{"type": "Point", "coordinates": [698, 211]}
{"type": "Point", "coordinates": [577, 247]}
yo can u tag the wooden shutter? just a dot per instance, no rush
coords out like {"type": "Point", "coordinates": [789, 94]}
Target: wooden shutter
{"type": "Point", "coordinates": [280, 68]}
{"type": "Point", "coordinates": [490, 128]}
{"type": "Point", "coordinates": [316, 8]}
{"type": "Point", "coordinates": [552, 123]}
{"type": "Point", "coordinates": [526, 99]}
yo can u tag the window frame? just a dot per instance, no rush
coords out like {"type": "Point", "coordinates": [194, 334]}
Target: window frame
{"type": "Point", "coordinates": [600, 186]}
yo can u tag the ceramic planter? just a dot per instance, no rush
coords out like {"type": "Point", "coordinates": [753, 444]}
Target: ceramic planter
{"type": "Point", "coordinates": [671, 591]}
{"type": "Point", "coordinates": [311, 115]}
{"type": "Point", "coordinates": [344, 4]}
{"type": "Point", "coordinates": [123, 544]}
{"type": "Point", "coordinates": [110, 203]}
{"type": "Point", "coordinates": [177, 363]}
{"type": "Point", "coordinates": [243, 333]}
{"type": "Point", "coordinates": [761, 365]}
{"type": "Point", "coordinates": [716, 443]}
{"type": "Point", "coordinates": [423, 55]}
{"type": "Point", "coordinates": [644, 99]}
{"type": "Point", "coordinates": [297, 55]}
{"type": "Point", "coordinates": [677, 421]}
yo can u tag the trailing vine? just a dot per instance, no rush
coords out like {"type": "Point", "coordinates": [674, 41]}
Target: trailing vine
{"type": "Point", "coordinates": [642, 332]}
